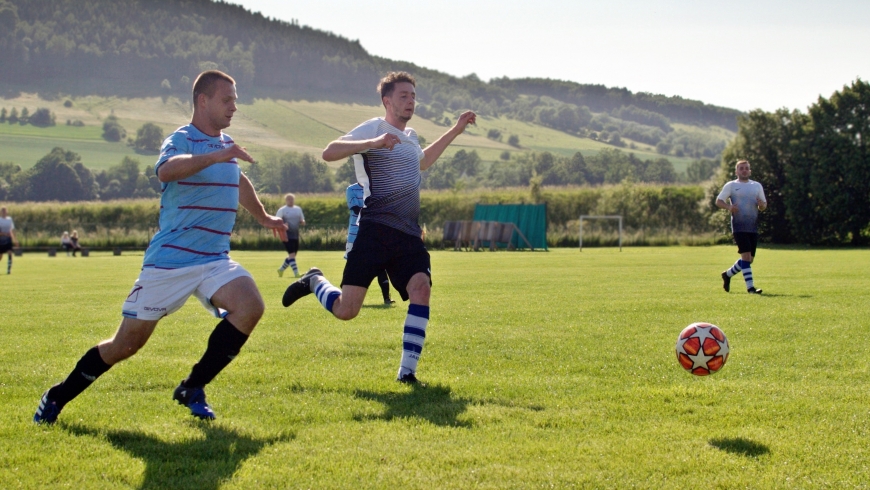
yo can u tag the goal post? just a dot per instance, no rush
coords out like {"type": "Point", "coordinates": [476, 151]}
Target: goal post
{"type": "Point", "coordinates": [591, 216]}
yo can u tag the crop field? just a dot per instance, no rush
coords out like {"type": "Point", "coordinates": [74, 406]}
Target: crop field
{"type": "Point", "coordinates": [264, 126]}
{"type": "Point", "coordinates": [543, 369]}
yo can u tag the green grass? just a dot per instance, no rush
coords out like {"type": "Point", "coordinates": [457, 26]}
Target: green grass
{"type": "Point", "coordinates": [545, 370]}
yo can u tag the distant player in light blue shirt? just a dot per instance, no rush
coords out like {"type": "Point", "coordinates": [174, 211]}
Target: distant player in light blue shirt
{"type": "Point", "coordinates": [189, 256]}
{"type": "Point", "coordinates": [355, 203]}
{"type": "Point", "coordinates": [743, 198]}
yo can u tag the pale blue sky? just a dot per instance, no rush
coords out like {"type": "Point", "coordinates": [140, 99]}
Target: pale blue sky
{"type": "Point", "coordinates": [742, 54]}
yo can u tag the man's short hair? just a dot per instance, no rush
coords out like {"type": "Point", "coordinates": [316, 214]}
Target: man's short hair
{"type": "Point", "coordinates": [741, 161]}
{"type": "Point", "coordinates": [388, 83]}
{"type": "Point", "coordinates": [289, 194]}
{"type": "Point", "coordinates": [205, 83]}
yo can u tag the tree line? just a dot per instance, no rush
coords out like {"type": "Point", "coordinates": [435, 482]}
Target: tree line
{"type": "Point", "coordinates": [815, 168]}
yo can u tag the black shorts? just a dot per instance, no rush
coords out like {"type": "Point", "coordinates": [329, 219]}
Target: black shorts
{"type": "Point", "coordinates": [5, 244]}
{"type": "Point", "coordinates": [378, 247]}
{"type": "Point", "coordinates": [746, 242]}
{"type": "Point", "coordinates": [291, 245]}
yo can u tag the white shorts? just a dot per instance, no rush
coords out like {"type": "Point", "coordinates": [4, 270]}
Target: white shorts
{"type": "Point", "coordinates": [159, 292]}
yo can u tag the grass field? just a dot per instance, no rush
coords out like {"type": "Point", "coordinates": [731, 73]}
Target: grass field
{"type": "Point", "coordinates": [266, 126]}
{"type": "Point", "coordinates": [551, 369]}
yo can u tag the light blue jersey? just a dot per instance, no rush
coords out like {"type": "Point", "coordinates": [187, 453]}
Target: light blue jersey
{"type": "Point", "coordinates": [355, 203]}
{"type": "Point", "coordinates": [197, 213]}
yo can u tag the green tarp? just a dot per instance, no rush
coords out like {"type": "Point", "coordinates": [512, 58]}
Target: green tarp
{"type": "Point", "coordinates": [530, 219]}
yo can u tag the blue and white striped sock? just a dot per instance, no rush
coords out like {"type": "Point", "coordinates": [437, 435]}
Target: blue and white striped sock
{"type": "Point", "coordinates": [413, 338]}
{"type": "Point", "coordinates": [9, 263]}
{"type": "Point", "coordinates": [325, 292]}
{"type": "Point", "coordinates": [747, 274]}
{"type": "Point", "coordinates": [292, 263]}
{"type": "Point", "coordinates": [285, 264]}
{"type": "Point", "coordinates": [735, 269]}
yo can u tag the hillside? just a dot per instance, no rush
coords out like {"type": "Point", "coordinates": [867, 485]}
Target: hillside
{"type": "Point", "coordinates": [135, 48]}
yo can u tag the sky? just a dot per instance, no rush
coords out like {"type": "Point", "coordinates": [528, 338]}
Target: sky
{"type": "Point", "coordinates": [742, 54]}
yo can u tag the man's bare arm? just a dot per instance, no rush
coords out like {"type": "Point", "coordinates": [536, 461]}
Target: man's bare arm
{"type": "Point", "coordinates": [249, 200]}
{"type": "Point", "coordinates": [340, 149]}
{"type": "Point", "coordinates": [182, 166]}
{"type": "Point", "coordinates": [434, 151]}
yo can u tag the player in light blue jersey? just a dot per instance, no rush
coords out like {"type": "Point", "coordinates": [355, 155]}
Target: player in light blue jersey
{"type": "Point", "coordinates": [355, 203]}
{"type": "Point", "coordinates": [743, 198]}
{"type": "Point", "coordinates": [388, 159]}
{"type": "Point", "coordinates": [189, 256]}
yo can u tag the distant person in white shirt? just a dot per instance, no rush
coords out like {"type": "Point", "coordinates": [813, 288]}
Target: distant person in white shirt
{"type": "Point", "coordinates": [7, 238]}
{"type": "Point", "coordinates": [293, 218]}
{"type": "Point", "coordinates": [743, 198]}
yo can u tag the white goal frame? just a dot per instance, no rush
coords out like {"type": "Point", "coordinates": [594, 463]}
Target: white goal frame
{"type": "Point", "coordinates": [592, 216]}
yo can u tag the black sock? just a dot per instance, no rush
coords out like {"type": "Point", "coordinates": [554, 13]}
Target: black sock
{"type": "Point", "coordinates": [384, 282]}
{"type": "Point", "coordinates": [224, 344]}
{"type": "Point", "coordinates": [90, 367]}
{"type": "Point", "coordinates": [9, 263]}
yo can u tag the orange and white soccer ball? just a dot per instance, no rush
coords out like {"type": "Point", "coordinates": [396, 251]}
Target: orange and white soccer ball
{"type": "Point", "coordinates": [702, 349]}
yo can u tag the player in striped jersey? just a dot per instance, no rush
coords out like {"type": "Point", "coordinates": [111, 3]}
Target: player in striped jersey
{"type": "Point", "coordinates": [202, 189]}
{"type": "Point", "coordinates": [388, 159]}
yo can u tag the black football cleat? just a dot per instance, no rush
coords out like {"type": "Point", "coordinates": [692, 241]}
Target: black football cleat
{"type": "Point", "coordinates": [726, 282]}
{"type": "Point", "coordinates": [753, 291]}
{"type": "Point", "coordinates": [300, 288]}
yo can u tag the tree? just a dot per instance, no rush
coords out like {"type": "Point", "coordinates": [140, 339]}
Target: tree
{"type": "Point", "coordinates": [514, 141]}
{"type": "Point", "coordinates": [112, 129]}
{"type": "Point", "coordinates": [345, 175]}
{"type": "Point", "coordinates": [494, 134]}
{"type": "Point", "coordinates": [24, 118]}
{"type": "Point", "coordinates": [13, 116]}
{"type": "Point", "coordinates": [294, 172]}
{"type": "Point", "coordinates": [149, 138]}
{"type": "Point", "coordinates": [772, 144]}
{"type": "Point", "coordinates": [42, 118]}
{"type": "Point", "coordinates": [120, 181]}
{"type": "Point", "coordinates": [3, 115]}
{"type": "Point", "coordinates": [53, 178]}
{"type": "Point", "coordinates": [839, 166]}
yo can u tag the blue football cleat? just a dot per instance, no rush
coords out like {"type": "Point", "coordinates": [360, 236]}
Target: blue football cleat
{"type": "Point", "coordinates": [194, 399]}
{"type": "Point", "coordinates": [47, 411]}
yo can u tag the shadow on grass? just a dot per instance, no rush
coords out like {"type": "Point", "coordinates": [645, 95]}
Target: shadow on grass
{"type": "Point", "coordinates": [774, 295]}
{"type": "Point", "coordinates": [201, 463]}
{"type": "Point", "coordinates": [434, 403]}
{"type": "Point", "coordinates": [741, 446]}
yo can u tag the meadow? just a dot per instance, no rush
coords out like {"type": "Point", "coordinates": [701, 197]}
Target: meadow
{"type": "Point", "coordinates": [544, 369]}
{"type": "Point", "coordinates": [266, 126]}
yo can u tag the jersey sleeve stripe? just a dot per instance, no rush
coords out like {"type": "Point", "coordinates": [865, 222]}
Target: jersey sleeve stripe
{"type": "Point", "coordinates": [206, 208]}
{"type": "Point", "coordinates": [190, 250]}
{"type": "Point", "coordinates": [207, 184]}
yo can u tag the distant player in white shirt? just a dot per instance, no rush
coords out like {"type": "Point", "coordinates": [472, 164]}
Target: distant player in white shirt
{"type": "Point", "coordinates": [7, 238]}
{"type": "Point", "coordinates": [293, 218]}
{"type": "Point", "coordinates": [202, 189]}
{"type": "Point", "coordinates": [743, 198]}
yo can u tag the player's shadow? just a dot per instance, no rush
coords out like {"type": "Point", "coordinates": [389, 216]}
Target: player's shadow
{"type": "Point", "coordinates": [739, 445]}
{"type": "Point", "coordinates": [435, 403]}
{"type": "Point", "coordinates": [200, 463]}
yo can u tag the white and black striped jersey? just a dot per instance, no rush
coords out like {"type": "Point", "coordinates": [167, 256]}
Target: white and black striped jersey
{"type": "Point", "coordinates": [390, 178]}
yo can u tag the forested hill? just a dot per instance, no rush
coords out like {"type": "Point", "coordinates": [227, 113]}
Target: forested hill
{"type": "Point", "coordinates": [150, 47]}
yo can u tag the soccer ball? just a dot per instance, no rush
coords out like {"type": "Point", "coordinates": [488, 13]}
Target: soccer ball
{"type": "Point", "coordinates": [702, 349]}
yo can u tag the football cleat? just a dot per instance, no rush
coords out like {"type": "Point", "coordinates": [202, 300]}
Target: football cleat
{"type": "Point", "coordinates": [410, 379]}
{"type": "Point", "coordinates": [300, 288]}
{"type": "Point", "coordinates": [726, 282]}
{"type": "Point", "coordinates": [194, 399]}
{"type": "Point", "coordinates": [280, 272]}
{"type": "Point", "coordinates": [752, 290]}
{"type": "Point", "coordinates": [47, 411]}
{"type": "Point", "coordinates": [389, 301]}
